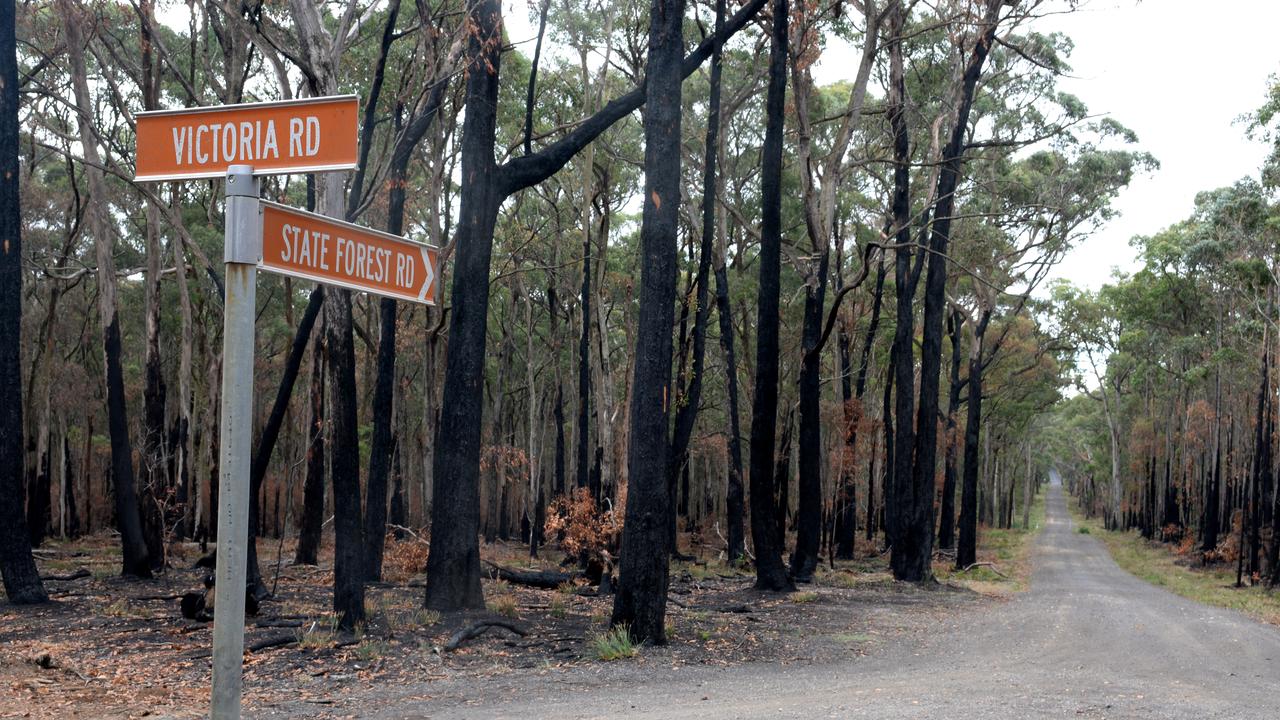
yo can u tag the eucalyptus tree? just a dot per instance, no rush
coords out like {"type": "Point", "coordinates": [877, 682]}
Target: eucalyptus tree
{"type": "Point", "coordinates": [17, 565]}
{"type": "Point", "coordinates": [135, 558]}
{"type": "Point", "coordinates": [820, 180]}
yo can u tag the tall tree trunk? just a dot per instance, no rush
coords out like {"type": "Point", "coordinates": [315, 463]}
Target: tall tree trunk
{"type": "Point", "coordinates": [135, 558]}
{"type": "Point", "coordinates": [690, 397]}
{"type": "Point", "coordinates": [967, 548]}
{"type": "Point", "coordinates": [734, 501]}
{"type": "Point", "coordinates": [156, 483]}
{"type": "Point", "coordinates": [381, 443]}
{"type": "Point", "coordinates": [641, 601]}
{"type": "Point", "coordinates": [312, 520]}
{"type": "Point", "coordinates": [898, 482]}
{"type": "Point", "coordinates": [453, 567]}
{"type": "Point", "coordinates": [17, 566]}
{"type": "Point", "coordinates": [584, 360]}
{"type": "Point", "coordinates": [557, 413]}
{"type": "Point", "coordinates": [770, 573]}
{"type": "Point", "coordinates": [947, 523]}
{"type": "Point", "coordinates": [809, 512]}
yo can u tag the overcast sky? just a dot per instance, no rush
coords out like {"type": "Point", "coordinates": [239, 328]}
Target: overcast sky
{"type": "Point", "coordinates": [1179, 73]}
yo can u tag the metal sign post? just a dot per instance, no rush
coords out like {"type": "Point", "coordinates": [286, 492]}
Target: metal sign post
{"type": "Point", "coordinates": [293, 136]}
{"type": "Point", "coordinates": [242, 250]}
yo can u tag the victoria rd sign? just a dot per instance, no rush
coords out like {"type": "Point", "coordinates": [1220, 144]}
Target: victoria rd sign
{"type": "Point", "coordinates": [291, 136]}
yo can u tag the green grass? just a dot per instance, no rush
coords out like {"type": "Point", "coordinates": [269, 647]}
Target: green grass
{"type": "Point", "coordinates": [369, 649]}
{"type": "Point", "coordinates": [559, 608]}
{"type": "Point", "coordinates": [851, 638]}
{"type": "Point", "coordinates": [1159, 565]}
{"type": "Point", "coordinates": [1009, 552]}
{"type": "Point", "coordinates": [803, 597]}
{"type": "Point", "coordinates": [615, 644]}
{"type": "Point", "coordinates": [318, 633]}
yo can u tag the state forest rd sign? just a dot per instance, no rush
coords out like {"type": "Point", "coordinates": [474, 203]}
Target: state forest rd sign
{"type": "Point", "coordinates": [291, 136]}
{"type": "Point", "coordinates": [305, 245]}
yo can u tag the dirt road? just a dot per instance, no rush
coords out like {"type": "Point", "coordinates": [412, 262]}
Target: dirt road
{"type": "Point", "coordinates": [1088, 640]}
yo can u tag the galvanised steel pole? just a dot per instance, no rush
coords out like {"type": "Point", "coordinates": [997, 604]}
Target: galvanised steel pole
{"type": "Point", "coordinates": [241, 252]}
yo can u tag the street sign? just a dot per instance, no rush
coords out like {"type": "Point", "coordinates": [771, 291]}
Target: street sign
{"type": "Point", "coordinates": [314, 247]}
{"type": "Point", "coordinates": [291, 136]}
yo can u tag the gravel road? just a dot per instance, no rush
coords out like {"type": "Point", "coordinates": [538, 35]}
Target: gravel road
{"type": "Point", "coordinates": [1087, 640]}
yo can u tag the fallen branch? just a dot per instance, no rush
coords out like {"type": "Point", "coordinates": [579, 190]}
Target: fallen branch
{"type": "Point", "coordinates": [545, 579]}
{"type": "Point", "coordinates": [81, 573]}
{"type": "Point", "coordinates": [475, 630]}
{"type": "Point", "coordinates": [986, 565]}
{"type": "Point", "coordinates": [275, 641]}
{"type": "Point", "coordinates": [278, 623]}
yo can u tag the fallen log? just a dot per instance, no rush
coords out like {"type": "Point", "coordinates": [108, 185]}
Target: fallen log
{"type": "Point", "coordinates": [545, 579]}
{"type": "Point", "coordinates": [477, 629]}
{"type": "Point", "coordinates": [274, 641]}
{"type": "Point", "coordinates": [81, 573]}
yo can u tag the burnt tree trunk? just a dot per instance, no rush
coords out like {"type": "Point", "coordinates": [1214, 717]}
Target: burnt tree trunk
{"type": "Point", "coordinates": [584, 370]}
{"type": "Point", "coordinates": [967, 547]}
{"type": "Point", "coordinates": [312, 520]}
{"type": "Point", "coordinates": [947, 524]}
{"type": "Point", "coordinates": [691, 394]}
{"type": "Point", "coordinates": [898, 480]}
{"type": "Point", "coordinates": [453, 567]}
{"type": "Point", "coordinates": [770, 573]}
{"type": "Point", "coordinates": [641, 600]}
{"type": "Point", "coordinates": [804, 561]}
{"type": "Point", "coordinates": [17, 566]}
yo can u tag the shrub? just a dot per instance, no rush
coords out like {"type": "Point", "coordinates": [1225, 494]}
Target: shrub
{"type": "Point", "coordinates": [403, 559]}
{"type": "Point", "coordinates": [583, 530]}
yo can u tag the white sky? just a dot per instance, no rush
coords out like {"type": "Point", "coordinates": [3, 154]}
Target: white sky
{"type": "Point", "coordinates": [1178, 73]}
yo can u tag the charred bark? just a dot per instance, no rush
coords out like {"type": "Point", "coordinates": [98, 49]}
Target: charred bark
{"type": "Point", "coordinates": [641, 600]}
{"type": "Point", "coordinates": [17, 565]}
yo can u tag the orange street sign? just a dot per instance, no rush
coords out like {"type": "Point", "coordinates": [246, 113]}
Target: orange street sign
{"type": "Point", "coordinates": [291, 136]}
{"type": "Point", "coordinates": [305, 245]}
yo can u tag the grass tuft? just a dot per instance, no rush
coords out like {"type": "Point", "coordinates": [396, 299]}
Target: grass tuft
{"type": "Point", "coordinates": [615, 644]}
{"type": "Point", "coordinates": [504, 605]}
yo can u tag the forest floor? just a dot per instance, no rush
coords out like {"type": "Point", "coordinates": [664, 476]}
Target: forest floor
{"type": "Point", "coordinates": [114, 648]}
{"type": "Point", "coordinates": [1178, 569]}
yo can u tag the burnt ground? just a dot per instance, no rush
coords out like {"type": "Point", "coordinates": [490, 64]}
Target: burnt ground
{"type": "Point", "coordinates": [114, 648]}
